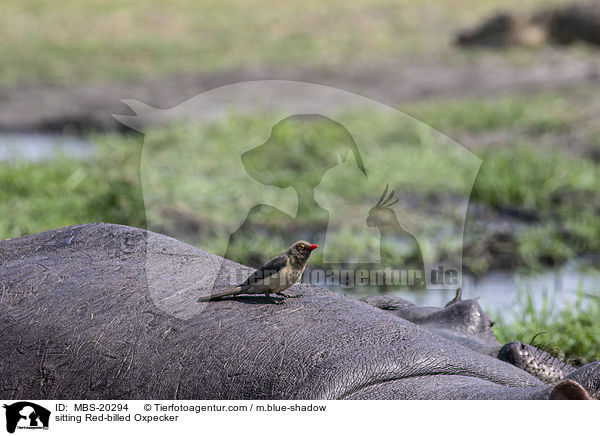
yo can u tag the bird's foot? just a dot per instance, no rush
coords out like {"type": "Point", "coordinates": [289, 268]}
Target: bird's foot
{"type": "Point", "coordinates": [275, 301]}
{"type": "Point", "coordinates": [289, 296]}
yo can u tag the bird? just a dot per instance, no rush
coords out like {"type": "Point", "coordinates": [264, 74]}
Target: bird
{"type": "Point", "coordinates": [273, 277]}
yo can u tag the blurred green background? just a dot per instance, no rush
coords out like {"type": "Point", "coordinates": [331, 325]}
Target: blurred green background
{"type": "Point", "coordinates": [98, 40]}
{"type": "Point", "coordinates": [535, 205]}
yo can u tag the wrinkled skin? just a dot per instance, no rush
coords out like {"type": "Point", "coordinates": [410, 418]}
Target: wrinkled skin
{"type": "Point", "coordinates": [465, 322]}
{"type": "Point", "coordinates": [81, 320]}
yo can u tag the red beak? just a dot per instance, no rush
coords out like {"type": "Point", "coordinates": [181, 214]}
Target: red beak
{"type": "Point", "coordinates": [312, 247]}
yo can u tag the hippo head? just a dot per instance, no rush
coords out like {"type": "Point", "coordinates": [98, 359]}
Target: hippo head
{"type": "Point", "coordinates": [463, 321]}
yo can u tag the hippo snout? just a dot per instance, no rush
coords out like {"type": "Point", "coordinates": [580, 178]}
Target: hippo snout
{"type": "Point", "coordinates": [511, 352]}
{"type": "Point", "coordinates": [535, 361]}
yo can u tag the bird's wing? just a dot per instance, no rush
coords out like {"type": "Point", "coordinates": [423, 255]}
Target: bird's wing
{"type": "Point", "coordinates": [271, 267]}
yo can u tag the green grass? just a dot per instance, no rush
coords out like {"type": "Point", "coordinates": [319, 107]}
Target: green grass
{"type": "Point", "coordinates": [541, 113]}
{"type": "Point", "coordinates": [571, 333]}
{"type": "Point", "coordinates": [189, 193]}
{"type": "Point", "coordinates": [41, 196]}
{"type": "Point", "coordinates": [108, 40]}
{"type": "Point", "coordinates": [560, 189]}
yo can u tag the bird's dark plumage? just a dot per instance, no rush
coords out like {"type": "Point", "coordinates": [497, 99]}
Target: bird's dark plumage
{"type": "Point", "coordinates": [273, 277]}
{"type": "Point", "coordinates": [272, 266]}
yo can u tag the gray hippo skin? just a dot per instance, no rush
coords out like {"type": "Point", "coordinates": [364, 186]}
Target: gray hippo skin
{"type": "Point", "coordinates": [103, 311]}
{"type": "Point", "coordinates": [465, 322]}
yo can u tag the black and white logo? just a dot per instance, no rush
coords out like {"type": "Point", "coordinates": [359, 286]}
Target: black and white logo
{"type": "Point", "coordinates": [26, 415]}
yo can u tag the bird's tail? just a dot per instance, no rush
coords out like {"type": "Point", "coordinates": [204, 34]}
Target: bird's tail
{"type": "Point", "coordinates": [225, 293]}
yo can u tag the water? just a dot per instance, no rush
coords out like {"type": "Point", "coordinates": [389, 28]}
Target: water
{"type": "Point", "coordinates": [498, 290]}
{"type": "Point", "coordinates": [503, 291]}
{"type": "Point", "coordinates": [34, 147]}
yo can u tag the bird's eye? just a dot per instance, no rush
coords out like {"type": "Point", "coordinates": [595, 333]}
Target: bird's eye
{"type": "Point", "coordinates": [301, 246]}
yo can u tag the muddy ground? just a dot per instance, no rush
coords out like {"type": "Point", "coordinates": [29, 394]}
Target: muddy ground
{"type": "Point", "coordinates": [66, 109]}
